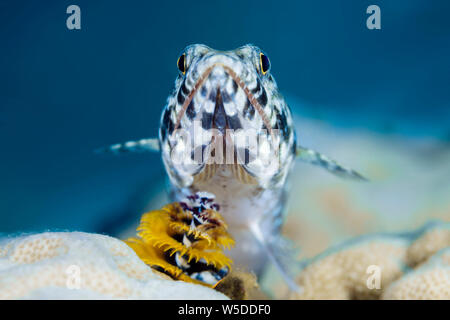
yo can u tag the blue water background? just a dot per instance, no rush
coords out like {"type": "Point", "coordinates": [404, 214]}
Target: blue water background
{"type": "Point", "coordinates": [65, 93]}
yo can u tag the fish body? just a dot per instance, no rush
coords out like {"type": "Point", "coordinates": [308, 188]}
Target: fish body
{"type": "Point", "coordinates": [221, 97]}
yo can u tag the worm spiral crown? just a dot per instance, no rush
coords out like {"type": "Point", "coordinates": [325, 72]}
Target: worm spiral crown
{"type": "Point", "coordinates": [185, 240]}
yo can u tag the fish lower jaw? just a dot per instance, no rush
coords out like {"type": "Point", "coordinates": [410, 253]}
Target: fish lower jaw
{"type": "Point", "coordinates": [240, 204]}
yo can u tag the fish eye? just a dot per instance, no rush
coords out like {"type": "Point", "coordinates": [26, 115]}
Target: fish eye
{"type": "Point", "coordinates": [264, 63]}
{"type": "Point", "coordinates": [181, 63]}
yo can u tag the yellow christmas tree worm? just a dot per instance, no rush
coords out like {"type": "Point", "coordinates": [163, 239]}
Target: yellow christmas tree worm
{"type": "Point", "coordinates": [185, 240]}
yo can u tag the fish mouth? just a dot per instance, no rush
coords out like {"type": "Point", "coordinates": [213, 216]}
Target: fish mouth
{"type": "Point", "coordinates": [217, 77]}
{"type": "Point", "coordinates": [225, 121]}
{"type": "Point", "coordinates": [218, 111]}
{"type": "Point", "coordinates": [222, 125]}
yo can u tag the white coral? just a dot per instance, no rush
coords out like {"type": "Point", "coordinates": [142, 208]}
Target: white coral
{"type": "Point", "coordinates": [430, 281]}
{"type": "Point", "coordinates": [412, 266]}
{"type": "Point", "coordinates": [77, 265]}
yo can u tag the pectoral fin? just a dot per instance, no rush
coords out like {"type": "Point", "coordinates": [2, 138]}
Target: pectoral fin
{"type": "Point", "coordinates": [139, 146]}
{"type": "Point", "coordinates": [318, 159]}
{"type": "Point", "coordinates": [280, 253]}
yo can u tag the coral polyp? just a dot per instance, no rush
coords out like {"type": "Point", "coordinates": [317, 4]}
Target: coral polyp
{"type": "Point", "coordinates": [185, 240]}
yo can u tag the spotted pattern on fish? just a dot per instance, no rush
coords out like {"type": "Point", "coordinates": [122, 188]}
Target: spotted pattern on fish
{"type": "Point", "coordinates": [220, 98]}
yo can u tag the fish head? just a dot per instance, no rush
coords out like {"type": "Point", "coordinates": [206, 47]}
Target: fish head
{"type": "Point", "coordinates": [226, 110]}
